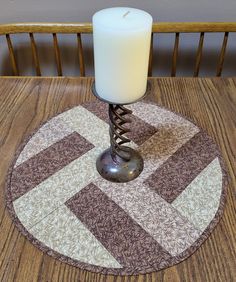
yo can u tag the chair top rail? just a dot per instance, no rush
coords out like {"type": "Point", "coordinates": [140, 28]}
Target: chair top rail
{"type": "Point", "coordinates": [191, 27]}
{"type": "Point", "coordinates": [12, 28]}
{"type": "Point", "coordinates": [160, 27]}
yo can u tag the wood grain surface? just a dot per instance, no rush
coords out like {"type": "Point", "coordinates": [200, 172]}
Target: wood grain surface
{"type": "Point", "coordinates": [27, 102]}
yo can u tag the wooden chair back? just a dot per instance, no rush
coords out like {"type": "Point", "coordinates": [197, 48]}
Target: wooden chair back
{"type": "Point", "coordinates": [84, 28]}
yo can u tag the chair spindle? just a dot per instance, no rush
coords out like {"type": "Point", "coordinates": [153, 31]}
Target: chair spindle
{"type": "Point", "coordinates": [35, 54]}
{"type": "Point", "coordinates": [175, 54]}
{"type": "Point", "coordinates": [222, 55]}
{"type": "Point", "coordinates": [12, 55]}
{"type": "Point", "coordinates": [81, 55]}
{"type": "Point", "coordinates": [150, 57]}
{"type": "Point", "coordinates": [199, 55]}
{"type": "Point", "coordinates": [57, 54]}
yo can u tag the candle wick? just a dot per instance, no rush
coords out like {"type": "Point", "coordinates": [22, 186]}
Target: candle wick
{"type": "Point", "coordinates": [126, 14]}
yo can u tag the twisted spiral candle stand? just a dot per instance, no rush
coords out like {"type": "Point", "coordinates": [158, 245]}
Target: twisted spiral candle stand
{"type": "Point", "coordinates": [119, 163]}
{"type": "Point", "coordinates": [117, 130]}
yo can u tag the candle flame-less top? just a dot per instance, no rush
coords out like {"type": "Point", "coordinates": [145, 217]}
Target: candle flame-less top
{"type": "Point", "coordinates": [122, 18]}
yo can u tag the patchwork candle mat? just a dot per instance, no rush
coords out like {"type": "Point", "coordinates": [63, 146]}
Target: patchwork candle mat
{"type": "Point", "coordinates": [66, 209]}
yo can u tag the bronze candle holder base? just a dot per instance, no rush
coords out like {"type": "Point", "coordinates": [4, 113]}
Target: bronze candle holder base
{"type": "Point", "coordinates": [115, 169]}
{"type": "Point", "coordinates": [119, 163]}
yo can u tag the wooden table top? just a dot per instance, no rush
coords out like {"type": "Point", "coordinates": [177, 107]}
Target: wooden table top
{"type": "Point", "coordinates": [27, 102]}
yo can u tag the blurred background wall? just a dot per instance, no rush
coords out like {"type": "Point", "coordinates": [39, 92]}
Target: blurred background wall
{"type": "Point", "coordinates": [82, 11]}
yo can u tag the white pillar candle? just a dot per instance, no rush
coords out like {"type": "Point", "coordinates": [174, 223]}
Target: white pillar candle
{"type": "Point", "coordinates": [121, 52]}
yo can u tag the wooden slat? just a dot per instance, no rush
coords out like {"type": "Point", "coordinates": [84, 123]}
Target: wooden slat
{"type": "Point", "coordinates": [199, 55]}
{"type": "Point", "coordinates": [222, 55]}
{"type": "Point", "coordinates": [87, 27]}
{"type": "Point", "coordinates": [35, 54]}
{"type": "Point", "coordinates": [175, 55]}
{"type": "Point", "coordinates": [57, 54]}
{"type": "Point", "coordinates": [150, 65]}
{"type": "Point", "coordinates": [81, 55]}
{"type": "Point", "coordinates": [12, 55]}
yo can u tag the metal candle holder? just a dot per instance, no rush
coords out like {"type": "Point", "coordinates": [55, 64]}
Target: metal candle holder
{"type": "Point", "coordinates": [119, 163]}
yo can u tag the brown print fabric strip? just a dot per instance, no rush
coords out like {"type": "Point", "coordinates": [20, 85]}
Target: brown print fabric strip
{"type": "Point", "coordinates": [140, 130]}
{"type": "Point", "coordinates": [182, 167]}
{"type": "Point", "coordinates": [44, 164]}
{"type": "Point", "coordinates": [129, 244]}
{"type": "Point", "coordinates": [99, 109]}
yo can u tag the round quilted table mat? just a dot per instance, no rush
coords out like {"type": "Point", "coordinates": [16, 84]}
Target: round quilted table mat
{"type": "Point", "coordinates": [63, 206]}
